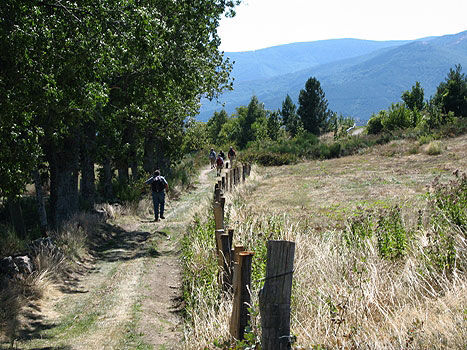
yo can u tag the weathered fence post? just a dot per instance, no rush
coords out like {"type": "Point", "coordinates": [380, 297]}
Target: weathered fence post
{"type": "Point", "coordinates": [218, 216]}
{"type": "Point", "coordinates": [223, 183]}
{"type": "Point", "coordinates": [227, 262]}
{"type": "Point", "coordinates": [217, 193]}
{"type": "Point", "coordinates": [243, 172]}
{"type": "Point", "coordinates": [274, 297]}
{"type": "Point", "coordinates": [231, 173]}
{"type": "Point", "coordinates": [242, 297]}
{"type": "Point", "coordinates": [234, 256]}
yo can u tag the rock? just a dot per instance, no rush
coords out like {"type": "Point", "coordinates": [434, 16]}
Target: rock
{"type": "Point", "coordinates": [42, 245]}
{"type": "Point", "coordinates": [24, 264]}
{"type": "Point", "coordinates": [8, 267]}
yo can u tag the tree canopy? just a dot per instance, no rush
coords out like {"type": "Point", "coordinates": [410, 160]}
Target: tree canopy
{"type": "Point", "coordinates": [313, 107]}
{"type": "Point", "coordinates": [119, 70]}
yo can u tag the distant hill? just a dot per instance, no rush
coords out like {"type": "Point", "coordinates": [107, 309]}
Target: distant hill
{"type": "Point", "coordinates": [358, 77]}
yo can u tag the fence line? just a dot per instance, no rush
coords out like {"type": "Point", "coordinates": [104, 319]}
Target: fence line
{"type": "Point", "coordinates": [234, 274]}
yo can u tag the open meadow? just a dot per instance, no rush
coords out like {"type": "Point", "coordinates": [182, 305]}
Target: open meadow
{"type": "Point", "coordinates": [381, 250]}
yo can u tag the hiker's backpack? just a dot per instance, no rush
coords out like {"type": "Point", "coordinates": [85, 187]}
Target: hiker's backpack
{"type": "Point", "coordinates": [220, 161]}
{"type": "Point", "coordinates": [158, 184]}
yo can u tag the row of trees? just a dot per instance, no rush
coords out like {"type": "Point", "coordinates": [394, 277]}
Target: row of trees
{"type": "Point", "coordinates": [449, 101]}
{"type": "Point", "coordinates": [103, 81]}
{"type": "Point", "coordinates": [254, 122]}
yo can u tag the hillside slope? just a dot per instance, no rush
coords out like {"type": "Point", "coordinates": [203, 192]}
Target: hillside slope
{"type": "Point", "coordinates": [362, 85]}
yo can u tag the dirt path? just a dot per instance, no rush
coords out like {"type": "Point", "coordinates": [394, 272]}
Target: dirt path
{"type": "Point", "coordinates": [131, 298]}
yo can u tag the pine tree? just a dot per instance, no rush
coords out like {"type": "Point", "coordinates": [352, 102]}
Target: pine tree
{"type": "Point", "coordinates": [313, 107]}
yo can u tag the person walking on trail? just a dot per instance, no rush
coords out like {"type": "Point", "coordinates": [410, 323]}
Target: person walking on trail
{"type": "Point", "coordinates": [219, 164]}
{"type": "Point", "coordinates": [222, 154]}
{"type": "Point", "coordinates": [212, 158]}
{"type": "Point", "coordinates": [158, 186]}
{"type": "Point", "coordinates": [231, 154]}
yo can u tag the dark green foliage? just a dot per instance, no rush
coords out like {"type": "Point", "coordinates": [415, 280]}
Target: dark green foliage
{"type": "Point", "coordinates": [313, 107]}
{"type": "Point", "coordinates": [392, 236]}
{"type": "Point", "coordinates": [451, 95]}
{"type": "Point", "coordinates": [448, 204]}
{"type": "Point", "coordinates": [123, 71]}
{"type": "Point", "coordinates": [451, 200]}
{"type": "Point", "coordinates": [396, 118]}
{"type": "Point", "coordinates": [387, 227]}
{"type": "Point", "coordinates": [290, 118]}
{"type": "Point", "coordinates": [215, 124]}
{"type": "Point", "coordinates": [359, 230]}
{"type": "Point", "coordinates": [267, 158]}
{"type": "Point", "coordinates": [414, 99]}
{"type": "Point", "coordinates": [251, 121]}
{"type": "Point", "coordinates": [273, 125]}
{"type": "Point", "coordinates": [375, 124]}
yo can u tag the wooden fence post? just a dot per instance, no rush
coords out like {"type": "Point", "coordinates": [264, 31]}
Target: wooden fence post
{"type": "Point", "coordinates": [243, 172]}
{"type": "Point", "coordinates": [227, 181]}
{"type": "Point", "coordinates": [218, 216]}
{"type": "Point", "coordinates": [227, 262]}
{"type": "Point", "coordinates": [242, 297]}
{"type": "Point", "coordinates": [217, 193]}
{"type": "Point", "coordinates": [231, 178]}
{"type": "Point", "coordinates": [274, 297]}
{"type": "Point", "coordinates": [223, 183]}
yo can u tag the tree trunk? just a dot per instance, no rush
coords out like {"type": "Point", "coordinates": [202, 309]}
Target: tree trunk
{"type": "Point", "coordinates": [16, 216]}
{"type": "Point", "coordinates": [123, 174]}
{"type": "Point", "coordinates": [107, 178]}
{"type": "Point", "coordinates": [148, 157]}
{"type": "Point", "coordinates": [64, 166]}
{"type": "Point", "coordinates": [133, 156]}
{"type": "Point", "coordinates": [40, 202]}
{"type": "Point", "coordinates": [88, 178]}
{"type": "Point", "coordinates": [162, 160]}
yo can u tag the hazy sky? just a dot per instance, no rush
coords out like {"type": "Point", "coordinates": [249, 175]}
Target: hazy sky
{"type": "Point", "coordinates": [264, 23]}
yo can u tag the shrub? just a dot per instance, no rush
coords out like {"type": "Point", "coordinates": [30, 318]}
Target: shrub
{"type": "Point", "coordinates": [375, 124]}
{"type": "Point", "coordinates": [393, 238]}
{"type": "Point", "coordinates": [267, 158]}
{"type": "Point", "coordinates": [434, 148]}
{"type": "Point", "coordinates": [10, 243]}
{"type": "Point", "coordinates": [398, 117]}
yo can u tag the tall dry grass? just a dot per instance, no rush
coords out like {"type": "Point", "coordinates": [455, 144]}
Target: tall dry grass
{"type": "Point", "coordinates": [350, 295]}
{"type": "Point", "coordinates": [18, 295]}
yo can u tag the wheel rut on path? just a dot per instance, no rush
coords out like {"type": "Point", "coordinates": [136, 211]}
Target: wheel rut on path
{"type": "Point", "coordinates": [131, 298]}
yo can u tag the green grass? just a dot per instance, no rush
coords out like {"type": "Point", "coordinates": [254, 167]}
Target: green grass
{"type": "Point", "coordinates": [132, 338]}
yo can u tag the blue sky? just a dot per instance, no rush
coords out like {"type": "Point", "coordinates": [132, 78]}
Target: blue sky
{"type": "Point", "coordinates": [264, 23]}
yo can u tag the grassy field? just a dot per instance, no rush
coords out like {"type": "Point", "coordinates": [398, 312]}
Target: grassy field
{"type": "Point", "coordinates": [377, 264]}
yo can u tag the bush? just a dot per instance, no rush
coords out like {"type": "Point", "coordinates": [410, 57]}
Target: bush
{"type": "Point", "coordinates": [266, 158]}
{"type": "Point", "coordinates": [434, 148]}
{"type": "Point", "coordinates": [398, 117]}
{"type": "Point", "coordinates": [375, 124]}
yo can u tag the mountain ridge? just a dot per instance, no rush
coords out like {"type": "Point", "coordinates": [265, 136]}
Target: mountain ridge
{"type": "Point", "coordinates": [354, 85]}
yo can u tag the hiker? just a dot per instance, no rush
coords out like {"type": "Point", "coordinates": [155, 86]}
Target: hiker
{"type": "Point", "coordinates": [212, 158]}
{"type": "Point", "coordinates": [222, 154]}
{"type": "Point", "coordinates": [219, 164]}
{"type": "Point", "coordinates": [158, 185]}
{"type": "Point", "coordinates": [231, 154]}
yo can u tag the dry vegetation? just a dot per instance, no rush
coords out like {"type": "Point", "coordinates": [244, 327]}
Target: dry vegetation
{"type": "Point", "coordinates": [378, 265]}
